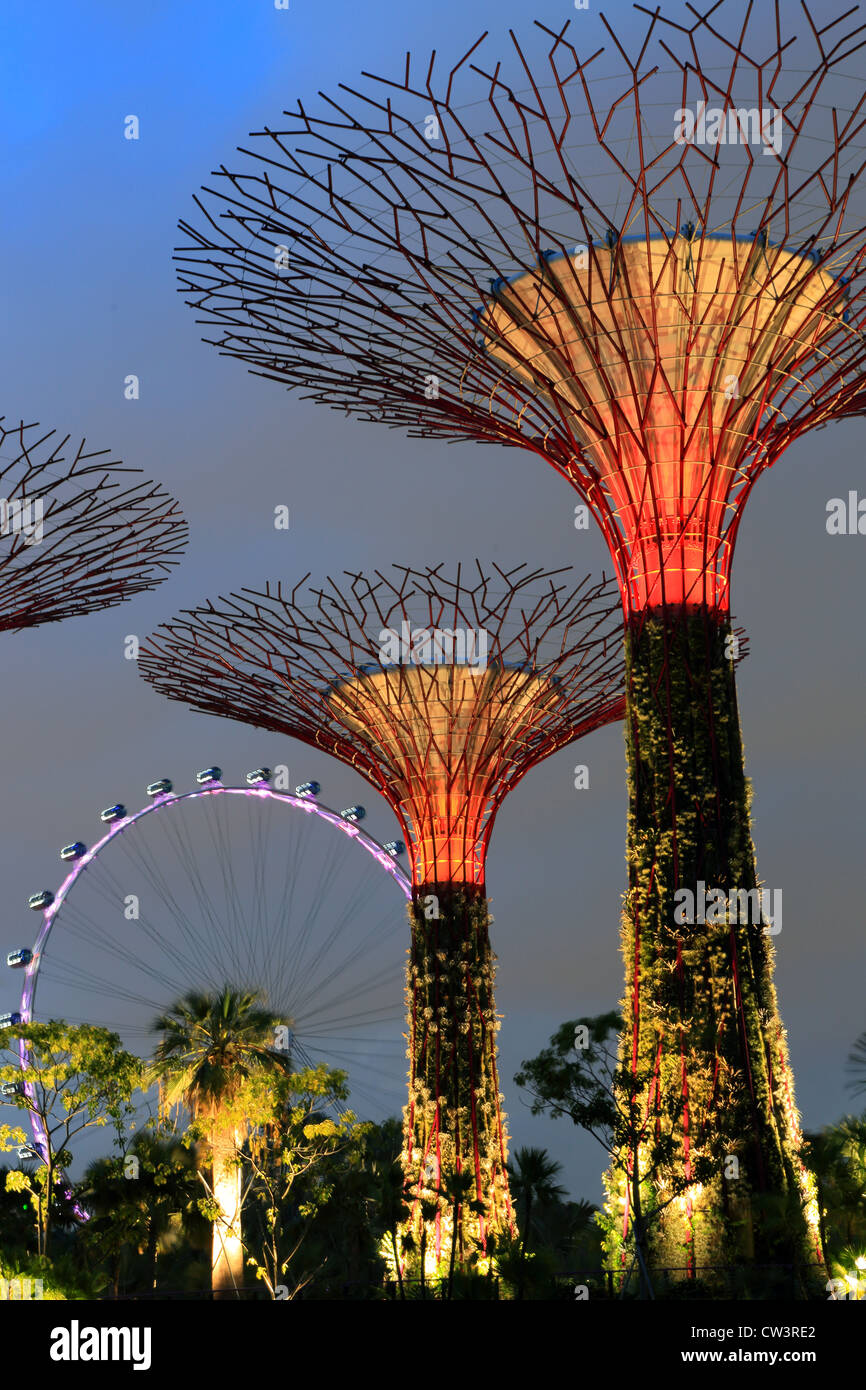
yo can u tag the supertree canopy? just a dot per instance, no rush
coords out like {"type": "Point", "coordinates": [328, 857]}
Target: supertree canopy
{"type": "Point", "coordinates": [442, 692]}
{"type": "Point", "coordinates": [644, 262]}
{"type": "Point", "coordinates": [76, 532]}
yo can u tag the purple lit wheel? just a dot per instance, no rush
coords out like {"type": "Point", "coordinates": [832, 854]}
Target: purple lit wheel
{"type": "Point", "coordinates": [263, 889]}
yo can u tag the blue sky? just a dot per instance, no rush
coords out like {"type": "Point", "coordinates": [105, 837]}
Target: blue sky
{"type": "Point", "coordinates": [88, 296]}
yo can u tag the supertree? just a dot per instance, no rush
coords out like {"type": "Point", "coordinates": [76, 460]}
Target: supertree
{"type": "Point", "coordinates": [442, 692]}
{"type": "Point", "coordinates": [73, 538]}
{"type": "Point", "coordinates": [645, 265]}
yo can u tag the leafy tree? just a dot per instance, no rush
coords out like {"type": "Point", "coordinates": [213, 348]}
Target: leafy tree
{"type": "Point", "coordinates": [17, 1211]}
{"type": "Point", "coordinates": [290, 1134]}
{"type": "Point", "coordinates": [347, 1241]}
{"type": "Point", "coordinates": [212, 1047]}
{"type": "Point", "coordinates": [131, 1199]}
{"type": "Point", "coordinates": [75, 1077]}
{"type": "Point", "coordinates": [587, 1085]}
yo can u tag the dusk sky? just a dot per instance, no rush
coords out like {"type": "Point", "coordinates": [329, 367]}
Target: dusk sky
{"type": "Point", "coordinates": [89, 296]}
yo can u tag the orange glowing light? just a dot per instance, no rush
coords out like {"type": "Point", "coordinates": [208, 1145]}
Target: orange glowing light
{"type": "Point", "coordinates": [445, 732]}
{"type": "Point", "coordinates": [665, 357]}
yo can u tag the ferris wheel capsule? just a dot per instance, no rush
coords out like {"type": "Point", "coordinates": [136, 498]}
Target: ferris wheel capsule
{"type": "Point", "coordinates": [301, 944]}
{"type": "Point", "coordinates": [161, 787]}
{"type": "Point", "coordinates": [113, 813]}
{"type": "Point", "coordinates": [395, 847]}
{"type": "Point", "coordinates": [9, 1020]}
{"type": "Point", "coordinates": [39, 901]}
{"type": "Point", "coordinates": [260, 775]}
{"type": "Point", "coordinates": [73, 851]}
{"type": "Point", "coordinates": [308, 789]}
{"type": "Point", "coordinates": [353, 813]}
{"type": "Point", "coordinates": [16, 959]}
{"type": "Point", "coordinates": [209, 774]}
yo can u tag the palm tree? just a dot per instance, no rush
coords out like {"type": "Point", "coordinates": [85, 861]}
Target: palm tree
{"type": "Point", "coordinates": [837, 1157]}
{"type": "Point", "coordinates": [211, 1044]}
{"type": "Point", "coordinates": [531, 1177]}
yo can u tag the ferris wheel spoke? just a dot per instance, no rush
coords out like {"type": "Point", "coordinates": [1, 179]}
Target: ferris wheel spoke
{"type": "Point", "coordinates": [355, 992]}
{"type": "Point", "coordinates": [258, 891]}
{"type": "Point", "coordinates": [106, 940]}
{"type": "Point", "coordinates": [139, 856]}
{"type": "Point", "coordinates": [177, 835]}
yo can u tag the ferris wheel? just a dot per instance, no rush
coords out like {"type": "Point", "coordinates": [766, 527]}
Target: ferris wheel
{"type": "Point", "coordinates": [264, 889]}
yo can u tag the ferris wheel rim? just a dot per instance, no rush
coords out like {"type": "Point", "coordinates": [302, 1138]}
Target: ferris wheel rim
{"type": "Point", "coordinates": [310, 805]}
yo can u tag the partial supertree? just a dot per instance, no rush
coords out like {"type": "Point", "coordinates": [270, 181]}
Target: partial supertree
{"type": "Point", "coordinates": [74, 537]}
{"type": "Point", "coordinates": [442, 692]}
{"type": "Point", "coordinates": [645, 265]}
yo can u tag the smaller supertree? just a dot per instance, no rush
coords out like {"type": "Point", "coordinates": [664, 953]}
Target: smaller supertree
{"type": "Point", "coordinates": [442, 693]}
{"type": "Point", "coordinates": [73, 539]}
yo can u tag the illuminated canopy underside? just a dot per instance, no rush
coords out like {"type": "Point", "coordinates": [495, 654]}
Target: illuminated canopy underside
{"type": "Point", "coordinates": [445, 733]}
{"type": "Point", "coordinates": [663, 358]}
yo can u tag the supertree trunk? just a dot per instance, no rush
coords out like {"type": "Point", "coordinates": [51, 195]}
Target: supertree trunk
{"type": "Point", "coordinates": [454, 1121]}
{"type": "Point", "coordinates": [702, 1028]}
{"type": "Point", "coordinates": [442, 693]}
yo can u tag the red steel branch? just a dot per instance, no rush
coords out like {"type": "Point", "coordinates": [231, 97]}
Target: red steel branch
{"type": "Point", "coordinates": [443, 739]}
{"type": "Point", "coordinates": [442, 692]}
{"type": "Point", "coordinates": [77, 533]}
{"type": "Point", "coordinates": [535, 253]}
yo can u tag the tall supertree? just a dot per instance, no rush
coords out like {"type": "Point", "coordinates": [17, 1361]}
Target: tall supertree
{"type": "Point", "coordinates": [77, 533]}
{"type": "Point", "coordinates": [643, 263]}
{"type": "Point", "coordinates": [442, 692]}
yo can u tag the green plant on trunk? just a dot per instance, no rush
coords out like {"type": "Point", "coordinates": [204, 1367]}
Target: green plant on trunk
{"type": "Point", "coordinates": [702, 1040]}
{"type": "Point", "coordinates": [210, 1045]}
{"type": "Point", "coordinates": [429, 1213]}
{"type": "Point", "coordinates": [454, 1121]}
{"type": "Point", "coordinates": [458, 1191]}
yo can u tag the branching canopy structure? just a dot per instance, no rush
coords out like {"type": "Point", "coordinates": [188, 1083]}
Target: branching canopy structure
{"type": "Point", "coordinates": [643, 262]}
{"type": "Point", "coordinates": [647, 269]}
{"type": "Point", "coordinates": [442, 692]}
{"type": "Point", "coordinates": [76, 533]}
